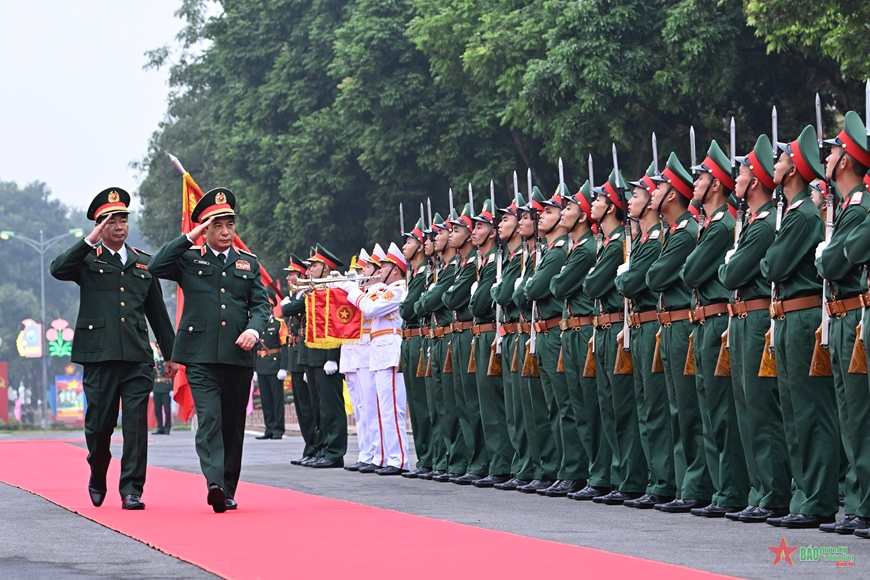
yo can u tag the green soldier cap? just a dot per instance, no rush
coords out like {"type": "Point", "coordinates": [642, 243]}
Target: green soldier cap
{"type": "Point", "coordinates": [853, 138]}
{"type": "Point", "coordinates": [417, 232]}
{"type": "Point", "coordinates": [732, 205]}
{"type": "Point", "coordinates": [513, 209]}
{"type": "Point", "coordinates": [718, 165]}
{"type": "Point", "coordinates": [677, 177]}
{"type": "Point", "coordinates": [464, 218]}
{"type": "Point", "coordinates": [297, 264]}
{"type": "Point", "coordinates": [436, 219]}
{"type": "Point", "coordinates": [218, 202]}
{"type": "Point", "coordinates": [584, 198]}
{"type": "Point", "coordinates": [535, 202]}
{"type": "Point", "coordinates": [445, 224]}
{"type": "Point", "coordinates": [486, 215]}
{"type": "Point", "coordinates": [804, 152]}
{"type": "Point", "coordinates": [560, 198]}
{"type": "Point", "coordinates": [109, 201]}
{"type": "Point", "coordinates": [646, 181]}
{"type": "Point", "coordinates": [760, 161]}
{"type": "Point", "coordinates": [324, 256]}
{"type": "Point", "coordinates": [695, 208]}
{"type": "Point", "coordinates": [610, 190]}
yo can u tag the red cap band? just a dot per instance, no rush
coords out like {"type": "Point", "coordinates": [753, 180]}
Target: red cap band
{"type": "Point", "coordinates": [717, 172]}
{"type": "Point", "coordinates": [677, 183]}
{"type": "Point", "coordinates": [613, 196]}
{"type": "Point", "coordinates": [318, 257]}
{"type": "Point", "coordinates": [802, 166]}
{"type": "Point", "coordinates": [758, 171]}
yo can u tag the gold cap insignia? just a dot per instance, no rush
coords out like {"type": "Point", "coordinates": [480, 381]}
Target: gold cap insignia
{"type": "Point", "coordinates": [114, 197]}
{"type": "Point", "coordinates": [220, 198]}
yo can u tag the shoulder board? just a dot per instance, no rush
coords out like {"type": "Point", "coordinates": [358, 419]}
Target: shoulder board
{"type": "Point", "coordinates": [559, 244]}
{"type": "Point", "coordinates": [241, 251]}
{"type": "Point", "coordinates": [581, 242]}
{"type": "Point", "coordinates": [762, 215]}
{"type": "Point", "coordinates": [195, 248]}
{"type": "Point", "coordinates": [655, 235]}
{"type": "Point", "coordinates": [797, 203]}
{"type": "Point", "coordinates": [470, 260]}
{"type": "Point", "coordinates": [615, 236]}
{"type": "Point", "coordinates": [681, 225]}
{"type": "Point", "coordinates": [718, 216]}
{"type": "Point", "coordinates": [138, 251]}
{"type": "Point", "coordinates": [421, 269]}
{"type": "Point", "coordinates": [856, 199]}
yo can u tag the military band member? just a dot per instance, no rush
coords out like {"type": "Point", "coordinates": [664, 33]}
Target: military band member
{"type": "Point", "coordinates": [759, 412]}
{"type": "Point", "coordinates": [809, 402]}
{"type": "Point", "coordinates": [726, 462]}
{"type": "Point", "coordinates": [225, 313]}
{"type": "Point", "coordinates": [271, 358]}
{"type": "Point", "coordinates": [616, 394]}
{"type": "Point", "coordinates": [118, 292]}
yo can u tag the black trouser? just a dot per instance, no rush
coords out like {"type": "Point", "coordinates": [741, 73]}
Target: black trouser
{"type": "Point", "coordinates": [163, 411]}
{"type": "Point", "coordinates": [105, 385]}
{"type": "Point", "coordinates": [307, 413]}
{"type": "Point", "coordinates": [220, 394]}
{"type": "Point", "coordinates": [272, 401]}
{"type": "Point", "coordinates": [333, 417]}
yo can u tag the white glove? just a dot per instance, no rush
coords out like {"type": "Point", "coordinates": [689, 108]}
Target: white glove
{"type": "Point", "coordinates": [282, 374]}
{"type": "Point", "coordinates": [622, 269]}
{"type": "Point", "coordinates": [728, 254]}
{"type": "Point", "coordinates": [330, 367]}
{"type": "Point", "coordinates": [305, 377]}
{"type": "Point", "coordinates": [348, 286]}
{"type": "Point", "coordinates": [255, 376]}
{"type": "Point", "coordinates": [821, 248]}
{"type": "Point", "coordinates": [285, 300]}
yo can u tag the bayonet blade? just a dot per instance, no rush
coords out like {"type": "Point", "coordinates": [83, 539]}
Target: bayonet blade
{"type": "Point", "coordinates": [867, 110]}
{"type": "Point", "coordinates": [450, 216]}
{"type": "Point", "coordinates": [401, 218]}
{"type": "Point", "coordinates": [616, 167]}
{"type": "Point", "coordinates": [516, 191]}
{"type": "Point", "coordinates": [819, 129]}
{"type": "Point", "coordinates": [429, 211]}
{"type": "Point", "coordinates": [655, 147]}
{"type": "Point", "coordinates": [422, 216]}
{"type": "Point", "coordinates": [492, 199]}
{"type": "Point", "coordinates": [529, 183]}
{"type": "Point", "coordinates": [692, 155]}
{"type": "Point", "coordinates": [591, 173]}
{"type": "Point", "coordinates": [470, 201]}
{"type": "Point", "coordinates": [561, 174]}
{"type": "Point", "coordinates": [775, 133]}
{"type": "Point", "coordinates": [733, 142]}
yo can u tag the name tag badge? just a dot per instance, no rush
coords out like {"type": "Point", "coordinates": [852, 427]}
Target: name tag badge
{"type": "Point", "coordinates": [202, 262]}
{"type": "Point", "coordinates": [243, 265]}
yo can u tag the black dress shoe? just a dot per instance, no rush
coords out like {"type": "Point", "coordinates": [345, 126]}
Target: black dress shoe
{"type": "Point", "coordinates": [763, 514]}
{"type": "Point", "coordinates": [491, 481]}
{"type": "Point", "coordinates": [324, 463]}
{"type": "Point", "coordinates": [556, 485]}
{"type": "Point", "coordinates": [568, 486]}
{"type": "Point", "coordinates": [299, 461]}
{"type": "Point", "coordinates": [804, 521]}
{"type": "Point", "coordinates": [231, 504]}
{"type": "Point", "coordinates": [589, 492]}
{"type": "Point", "coordinates": [159, 432]}
{"type": "Point", "coordinates": [445, 477]}
{"type": "Point", "coordinates": [853, 525]}
{"type": "Point", "coordinates": [630, 502]}
{"type": "Point", "coordinates": [97, 496]}
{"type": "Point", "coordinates": [534, 485]}
{"type": "Point", "coordinates": [414, 474]}
{"type": "Point", "coordinates": [310, 461]}
{"type": "Point", "coordinates": [391, 470]}
{"type": "Point", "coordinates": [617, 497]}
{"type": "Point", "coordinates": [511, 484]}
{"type": "Point", "coordinates": [833, 527]}
{"type": "Point", "coordinates": [682, 506]}
{"type": "Point", "coordinates": [431, 475]}
{"type": "Point", "coordinates": [263, 436]}
{"type": "Point", "coordinates": [368, 468]}
{"type": "Point", "coordinates": [355, 466]}
{"type": "Point", "coordinates": [862, 533]}
{"type": "Point", "coordinates": [715, 510]}
{"type": "Point", "coordinates": [735, 515]}
{"type": "Point", "coordinates": [467, 479]}
{"type": "Point", "coordinates": [650, 501]}
{"type": "Point", "coordinates": [217, 498]}
{"type": "Point", "coordinates": [132, 502]}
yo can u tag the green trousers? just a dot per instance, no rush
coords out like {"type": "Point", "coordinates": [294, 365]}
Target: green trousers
{"type": "Point", "coordinates": [809, 406]}
{"type": "Point", "coordinates": [418, 402]}
{"type": "Point", "coordinates": [435, 397]}
{"type": "Point", "coordinates": [468, 402]}
{"type": "Point", "coordinates": [619, 415]}
{"type": "Point", "coordinates": [517, 400]}
{"type": "Point", "coordinates": [587, 409]}
{"type": "Point", "coordinates": [333, 416]}
{"type": "Point", "coordinates": [853, 401]}
{"type": "Point", "coordinates": [574, 463]}
{"type": "Point", "coordinates": [309, 420]}
{"type": "Point", "coordinates": [690, 460]}
{"type": "Point", "coordinates": [725, 458]}
{"type": "Point", "coordinates": [653, 411]}
{"type": "Point", "coordinates": [220, 395]}
{"type": "Point", "coordinates": [105, 385]}
{"type": "Point", "coordinates": [454, 441]}
{"type": "Point", "coordinates": [493, 415]}
{"type": "Point", "coordinates": [272, 402]}
{"type": "Point", "coordinates": [759, 413]}
{"type": "Point", "coordinates": [536, 411]}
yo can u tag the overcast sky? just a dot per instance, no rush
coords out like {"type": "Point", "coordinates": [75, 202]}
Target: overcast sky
{"type": "Point", "coordinates": [76, 107]}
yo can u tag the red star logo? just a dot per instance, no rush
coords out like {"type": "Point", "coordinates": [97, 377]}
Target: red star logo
{"type": "Point", "coordinates": [783, 552]}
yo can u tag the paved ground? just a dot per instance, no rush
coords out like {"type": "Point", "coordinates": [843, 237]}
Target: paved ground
{"type": "Point", "coordinates": [718, 545]}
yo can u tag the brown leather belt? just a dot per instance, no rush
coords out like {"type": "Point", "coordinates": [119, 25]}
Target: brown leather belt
{"type": "Point", "coordinates": [427, 331]}
{"type": "Point", "coordinates": [607, 320]}
{"type": "Point", "coordinates": [411, 332]}
{"type": "Point", "coordinates": [839, 308]}
{"type": "Point", "coordinates": [509, 328]}
{"type": "Point", "coordinates": [743, 307]}
{"type": "Point", "coordinates": [461, 326]}
{"type": "Point", "coordinates": [268, 351]}
{"type": "Point", "coordinates": [440, 331]}
{"type": "Point", "coordinates": [702, 313]}
{"type": "Point", "coordinates": [525, 327]}
{"type": "Point", "coordinates": [638, 318]}
{"type": "Point", "coordinates": [477, 329]}
{"type": "Point", "coordinates": [545, 325]}
{"type": "Point", "coordinates": [779, 308]}
{"type": "Point", "coordinates": [292, 340]}
{"type": "Point", "coordinates": [668, 317]}
{"type": "Point", "coordinates": [575, 322]}
{"type": "Point", "coordinates": [386, 332]}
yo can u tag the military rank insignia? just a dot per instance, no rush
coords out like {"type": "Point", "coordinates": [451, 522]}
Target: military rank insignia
{"type": "Point", "coordinates": [141, 266]}
{"type": "Point", "coordinates": [243, 265]}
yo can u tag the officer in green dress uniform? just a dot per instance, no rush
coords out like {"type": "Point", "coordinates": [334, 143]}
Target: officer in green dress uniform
{"type": "Point", "coordinates": [573, 460]}
{"type": "Point", "coordinates": [537, 405]}
{"type": "Point", "coordinates": [517, 397]}
{"type": "Point", "coordinates": [726, 461]}
{"type": "Point", "coordinates": [653, 407]}
{"type": "Point", "coordinates": [118, 292]}
{"type": "Point", "coordinates": [847, 165]}
{"type": "Point", "coordinates": [445, 388]}
{"type": "Point", "coordinates": [457, 298]}
{"type": "Point", "coordinates": [671, 199]}
{"type": "Point", "coordinates": [162, 395]}
{"type": "Point", "coordinates": [616, 394]}
{"type": "Point", "coordinates": [576, 324]}
{"type": "Point", "coordinates": [490, 384]}
{"type": "Point", "coordinates": [809, 402]}
{"type": "Point", "coordinates": [225, 314]}
{"type": "Point", "coordinates": [271, 360]}
{"type": "Point", "coordinates": [412, 352]}
{"type": "Point", "coordinates": [759, 413]}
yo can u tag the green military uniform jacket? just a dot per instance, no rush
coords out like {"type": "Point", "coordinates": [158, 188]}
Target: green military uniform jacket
{"type": "Point", "coordinates": [845, 279]}
{"type": "Point", "coordinates": [537, 287]}
{"type": "Point", "coordinates": [743, 270]}
{"type": "Point", "coordinates": [115, 302]}
{"type": "Point", "coordinates": [664, 274]}
{"type": "Point", "coordinates": [567, 285]}
{"type": "Point", "coordinates": [632, 283]}
{"type": "Point", "coordinates": [600, 283]}
{"type": "Point", "coordinates": [458, 296]}
{"type": "Point", "coordinates": [221, 301]}
{"type": "Point", "coordinates": [519, 294]}
{"type": "Point", "coordinates": [271, 339]}
{"type": "Point", "coordinates": [431, 302]}
{"type": "Point", "coordinates": [701, 270]}
{"type": "Point", "coordinates": [481, 303]}
{"type": "Point", "coordinates": [503, 292]}
{"type": "Point", "coordinates": [415, 289]}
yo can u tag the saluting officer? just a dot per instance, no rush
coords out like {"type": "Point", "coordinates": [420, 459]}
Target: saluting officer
{"type": "Point", "coordinates": [271, 359]}
{"type": "Point", "coordinates": [224, 315]}
{"type": "Point", "coordinates": [117, 293]}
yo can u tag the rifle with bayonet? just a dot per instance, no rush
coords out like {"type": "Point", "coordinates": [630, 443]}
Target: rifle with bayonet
{"type": "Point", "coordinates": [622, 365]}
{"type": "Point", "coordinates": [495, 369]}
{"type": "Point", "coordinates": [858, 364]}
{"type": "Point", "coordinates": [589, 365]}
{"type": "Point", "coordinates": [689, 368]}
{"type": "Point", "coordinates": [723, 363]}
{"type": "Point", "coordinates": [820, 365]}
{"type": "Point", "coordinates": [530, 364]}
{"type": "Point", "coordinates": [768, 355]}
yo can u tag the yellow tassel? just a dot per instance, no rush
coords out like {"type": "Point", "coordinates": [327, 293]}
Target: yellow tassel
{"type": "Point", "coordinates": [858, 364]}
{"type": "Point", "coordinates": [589, 367]}
{"type": "Point", "coordinates": [448, 360]}
{"type": "Point", "coordinates": [515, 363]}
{"type": "Point", "coordinates": [560, 366]}
{"type": "Point", "coordinates": [530, 364]}
{"type": "Point", "coordinates": [494, 367]}
{"type": "Point", "coordinates": [820, 366]}
{"type": "Point", "coordinates": [723, 363]}
{"type": "Point", "coordinates": [472, 365]}
{"type": "Point", "coordinates": [689, 369]}
{"type": "Point", "coordinates": [657, 364]}
{"type": "Point", "coordinates": [623, 365]}
{"type": "Point", "coordinates": [768, 361]}
{"type": "Point", "coordinates": [421, 370]}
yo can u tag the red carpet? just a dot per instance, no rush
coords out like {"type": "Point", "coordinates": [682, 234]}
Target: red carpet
{"type": "Point", "coordinates": [278, 533]}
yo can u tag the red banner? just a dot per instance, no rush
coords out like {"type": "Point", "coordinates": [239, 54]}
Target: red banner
{"type": "Point", "coordinates": [331, 319]}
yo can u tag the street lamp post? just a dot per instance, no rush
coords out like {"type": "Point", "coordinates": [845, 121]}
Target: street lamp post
{"type": "Point", "coordinates": [41, 246]}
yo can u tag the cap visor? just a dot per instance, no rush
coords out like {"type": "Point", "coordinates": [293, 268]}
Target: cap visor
{"type": "Point", "coordinates": [831, 142]}
{"type": "Point", "coordinates": [782, 146]}
{"type": "Point", "coordinates": [743, 161]}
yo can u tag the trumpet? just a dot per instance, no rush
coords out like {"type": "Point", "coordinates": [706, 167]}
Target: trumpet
{"type": "Point", "coordinates": [308, 283]}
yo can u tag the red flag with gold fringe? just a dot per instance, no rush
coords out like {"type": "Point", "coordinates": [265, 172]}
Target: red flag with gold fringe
{"type": "Point", "coordinates": [331, 319]}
